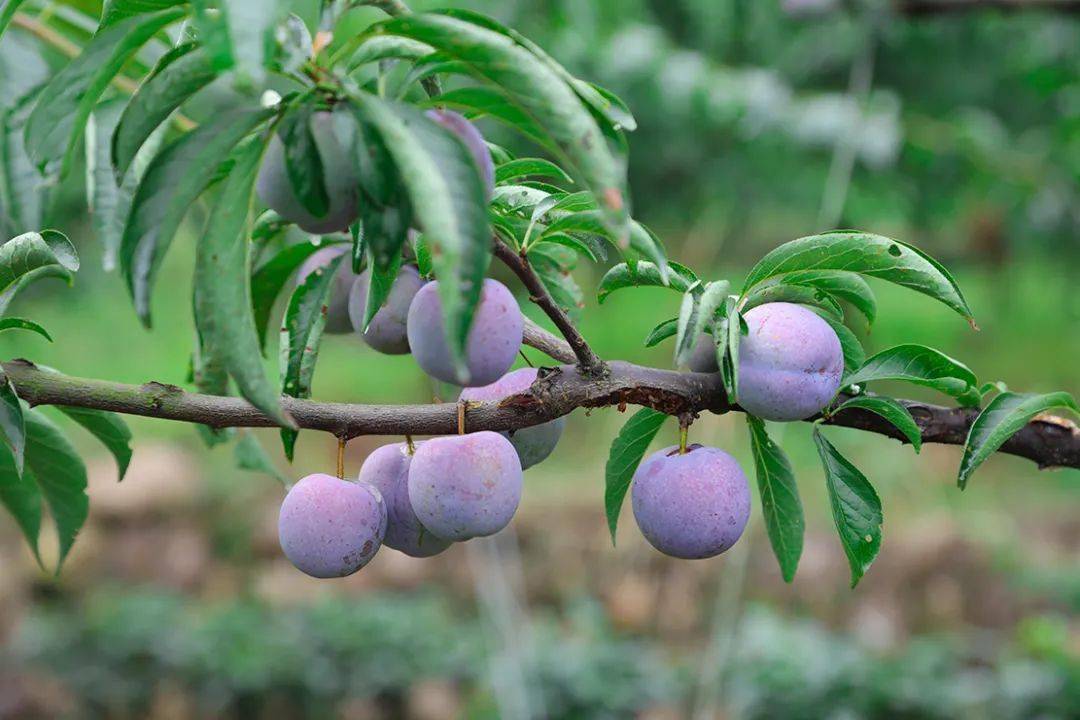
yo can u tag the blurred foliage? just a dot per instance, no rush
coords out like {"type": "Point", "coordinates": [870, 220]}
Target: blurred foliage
{"type": "Point", "coordinates": [966, 142]}
{"type": "Point", "coordinates": [237, 658]}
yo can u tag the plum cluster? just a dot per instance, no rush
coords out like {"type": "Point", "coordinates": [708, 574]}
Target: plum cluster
{"type": "Point", "coordinates": [689, 502]}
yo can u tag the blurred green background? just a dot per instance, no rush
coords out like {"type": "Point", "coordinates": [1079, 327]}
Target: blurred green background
{"type": "Point", "coordinates": [758, 122]}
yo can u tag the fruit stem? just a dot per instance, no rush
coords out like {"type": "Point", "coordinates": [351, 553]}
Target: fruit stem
{"type": "Point", "coordinates": [461, 417]}
{"type": "Point", "coordinates": [341, 458]}
{"type": "Point", "coordinates": [684, 431]}
{"type": "Point", "coordinates": [410, 447]}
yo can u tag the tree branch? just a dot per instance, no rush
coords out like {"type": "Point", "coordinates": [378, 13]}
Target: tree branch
{"type": "Point", "coordinates": [589, 362]}
{"type": "Point", "coordinates": [1049, 441]}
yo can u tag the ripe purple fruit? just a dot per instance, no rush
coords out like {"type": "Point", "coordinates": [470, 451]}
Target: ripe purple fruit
{"type": "Point", "coordinates": [337, 306]}
{"type": "Point", "coordinates": [387, 469]}
{"type": "Point", "coordinates": [339, 177]}
{"type": "Point", "coordinates": [790, 364]}
{"type": "Point", "coordinates": [386, 332]}
{"type": "Point", "coordinates": [533, 444]}
{"type": "Point", "coordinates": [490, 348]}
{"type": "Point", "coordinates": [703, 356]}
{"type": "Point", "coordinates": [330, 527]}
{"type": "Point", "coordinates": [465, 486]}
{"type": "Point", "coordinates": [692, 505]}
{"type": "Point", "coordinates": [474, 141]}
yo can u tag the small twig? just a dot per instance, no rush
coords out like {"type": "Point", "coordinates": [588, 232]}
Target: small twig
{"type": "Point", "coordinates": [341, 457]}
{"type": "Point", "coordinates": [588, 361]}
{"type": "Point", "coordinates": [461, 404]}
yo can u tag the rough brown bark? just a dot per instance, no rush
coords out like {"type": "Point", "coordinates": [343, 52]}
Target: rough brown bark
{"type": "Point", "coordinates": [1048, 441]}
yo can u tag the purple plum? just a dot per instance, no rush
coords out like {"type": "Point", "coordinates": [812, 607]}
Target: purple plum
{"type": "Point", "coordinates": [533, 444]}
{"type": "Point", "coordinates": [339, 177]}
{"type": "Point", "coordinates": [386, 333]}
{"type": "Point", "coordinates": [474, 141]}
{"type": "Point", "coordinates": [691, 505]}
{"type": "Point", "coordinates": [491, 346]}
{"type": "Point", "coordinates": [465, 486]}
{"type": "Point", "coordinates": [337, 308]}
{"type": "Point", "coordinates": [387, 469]}
{"type": "Point", "coordinates": [329, 527]}
{"type": "Point", "coordinates": [790, 364]}
{"type": "Point", "coordinates": [703, 356]}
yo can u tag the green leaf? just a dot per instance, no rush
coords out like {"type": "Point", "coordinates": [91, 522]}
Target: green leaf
{"type": "Point", "coordinates": [387, 48]}
{"type": "Point", "coordinates": [250, 455]}
{"type": "Point", "coordinates": [666, 329]}
{"type": "Point", "coordinates": [61, 477]}
{"type": "Point", "coordinates": [780, 504]}
{"type": "Point", "coordinates": [448, 200]}
{"type": "Point", "coordinates": [553, 269]}
{"type": "Point", "coordinates": [844, 285]}
{"type": "Point", "coordinates": [33, 251]}
{"type": "Point", "coordinates": [223, 313]}
{"type": "Point", "coordinates": [538, 90]}
{"type": "Point", "coordinates": [60, 115]}
{"type": "Point", "coordinates": [601, 101]}
{"type": "Point", "coordinates": [303, 164]}
{"type": "Point", "coordinates": [24, 193]}
{"type": "Point", "coordinates": [301, 335]}
{"type": "Point", "coordinates": [529, 168]}
{"type": "Point", "coordinates": [109, 428]}
{"type": "Point", "coordinates": [475, 102]}
{"type": "Point", "coordinates": [590, 248]}
{"type": "Point", "coordinates": [1005, 415]}
{"type": "Point", "coordinates": [643, 241]}
{"type": "Point", "coordinates": [112, 11]}
{"type": "Point", "coordinates": [173, 181]}
{"type": "Point", "coordinates": [12, 425]}
{"type": "Point", "coordinates": [920, 365]}
{"type": "Point", "coordinates": [855, 506]}
{"type": "Point", "coordinates": [871, 255]}
{"type": "Point", "coordinates": [625, 456]}
{"type": "Point", "coordinates": [890, 409]}
{"type": "Point", "coordinates": [644, 274]}
{"type": "Point", "coordinates": [7, 11]}
{"type": "Point", "coordinates": [699, 307]}
{"type": "Point", "coordinates": [249, 23]}
{"type": "Point", "coordinates": [180, 73]}
{"type": "Point", "coordinates": [423, 256]}
{"type": "Point", "coordinates": [20, 495]}
{"type": "Point", "coordinates": [269, 279]}
{"type": "Point", "coordinates": [726, 335]}
{"type": "Point", "coordinates": [380, 283]}
{"type": "Point", "coordinates": [801, 294]}
{"type": "Point", "coordinates": [12, 323]}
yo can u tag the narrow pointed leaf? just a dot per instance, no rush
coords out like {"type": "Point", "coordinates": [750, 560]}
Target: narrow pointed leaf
{"type": "Point", "coordinates": [107, 427]}
{"type": "Point", "coordinates": [1003, 417]}
{"type": "Point", "coordinates": [644, 274]}
{"type": "Point", "coordinates": [12, 425]}
{"type": "Point", "coordinates": [868, 254]}
{"type": "Point", "coordinates": [60, 475]}
{"type": "Point", "coordinates": [250, 455]}
{"type": "Point", "coordinates": [303, 164]}
{"type": "Point", "coordinates": [890, 409]}
{"type": "Point", "coordinates": [24, 281]}
{"type": "Point", "coordinates": [666, 329]}
{"type": "Point", "coordinates": [388, 48]}
{"type": "Point", "coordinates": [301, 336]}
{"type": "Point", "coordinates": [24, 191]}
{"type": "Point", "coordinates": [173, 181]}
{"type": "Point", "coordinates": [270, 278]}
{"type": "Point", "coordinates": [7, 11]}
{"type": "Point", "coordinates": [801, 294]}
{"type": "Point", "coordinates": [529, 168]}
{"type": "Point", "coordinates": [626, 452]}
{"type": "Point", "coordinates": [380, 283]}
{"type": "Point", "coordinates": [32, 251]}
{"type": "Point", "coordinates": [223, 288]}
{"type": "Point", "coordinates": [844, 285]}
{"type": "Point", "coordinates": [20, 496]}
{"type": "Point", "coordinates": [854, 354]}
{"type": "Point", "coordinates": [447, 197]}
{"type": "Point", "coordinates": [113, 11]}
{"type": "Point", "coordinates": [780, 503]}
{"type": "Point", "coordinates": [13, 323]}
{"type": "Point", "coordinates": [856, 508]}
{"type": "Point", "coordinates": [60, 115]}
{"type": "Point", "coordinates": [920, 365]}
{"type": "Point", "coordinates": [179, 74]}
{"type": "Point", "coordinates": [698, 310]}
